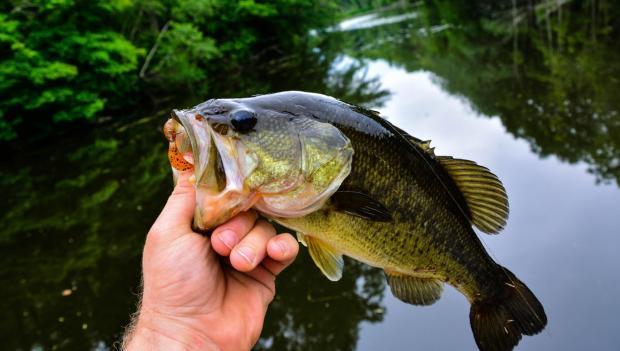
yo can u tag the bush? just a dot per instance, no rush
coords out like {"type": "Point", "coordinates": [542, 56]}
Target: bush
{"type": "Point", "coordinates": [66, 60]}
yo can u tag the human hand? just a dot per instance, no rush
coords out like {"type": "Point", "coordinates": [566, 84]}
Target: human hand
{"type": "Point", "coordinates": [193, 299]}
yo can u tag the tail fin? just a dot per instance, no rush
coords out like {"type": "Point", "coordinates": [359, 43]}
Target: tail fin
{"type": "Point", "coordinates": [498, 323]}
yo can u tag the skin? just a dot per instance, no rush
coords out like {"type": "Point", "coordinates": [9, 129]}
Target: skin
{"type": "Point", "coordinates": [206, 293]}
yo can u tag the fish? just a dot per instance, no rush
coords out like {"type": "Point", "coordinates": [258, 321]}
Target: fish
{"type": "Point", "coordinates": [350, 183]}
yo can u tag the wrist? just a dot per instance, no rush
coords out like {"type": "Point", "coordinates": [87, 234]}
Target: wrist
{"type": "Point", "coordinates": [154, 331]}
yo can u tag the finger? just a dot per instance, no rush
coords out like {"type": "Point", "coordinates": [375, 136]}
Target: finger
{"type": "Point", "coordinates": [226, 236]}
{"type": "Point", "coordinates": [281, 251]}
{"type": "Point", "coordinates": [176, 217]}
{"type": "Point", "coordinates": [253, 248]}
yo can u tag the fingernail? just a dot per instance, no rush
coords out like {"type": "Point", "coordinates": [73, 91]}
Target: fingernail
{"type": "Point", "coordinates": [228, 238]}
{"type": "Point", "coordinates": [247, 253]}
{"type": "Point", "coordinates": [282, 246]}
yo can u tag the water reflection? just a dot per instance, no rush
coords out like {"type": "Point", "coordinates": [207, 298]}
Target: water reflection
{"type": "Point", "coordinates": [312, 314]}
{"type": "Point", "coordinates": [77, 213]}
{"type": "Point", "coordinates": [549, 72]}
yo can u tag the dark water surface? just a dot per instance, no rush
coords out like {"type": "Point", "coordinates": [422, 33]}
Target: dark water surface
{"type": "Point", "coordinates": [533, 94]}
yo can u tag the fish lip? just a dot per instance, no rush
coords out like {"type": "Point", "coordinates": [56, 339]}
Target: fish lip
{"type": "Point", "coordinates": [206, 142]}
{"type": "Point", "coordinates": [187, 118]}
{"type": "Point", "coordinates": [175, 117]}
{"type": "Point", "coordinates": [200, 130]}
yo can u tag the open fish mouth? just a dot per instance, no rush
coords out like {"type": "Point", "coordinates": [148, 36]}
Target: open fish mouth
{"type": "Point", "coordinates": [244, 158]}
{"type": "Point", "coordinates": [220, 167]}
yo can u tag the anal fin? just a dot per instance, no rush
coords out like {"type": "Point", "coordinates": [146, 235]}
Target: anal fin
{"type": "Point", "coordinates": [329, 261]}
{"type": "Point", "coordinates": [414, 290]}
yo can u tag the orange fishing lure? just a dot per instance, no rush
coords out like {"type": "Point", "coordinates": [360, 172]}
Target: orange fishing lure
{"type": "Point", "coordinates": [177, 161]}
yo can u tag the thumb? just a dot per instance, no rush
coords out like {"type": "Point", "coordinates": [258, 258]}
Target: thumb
{"type": "Point", "coordinates": [176, 217]}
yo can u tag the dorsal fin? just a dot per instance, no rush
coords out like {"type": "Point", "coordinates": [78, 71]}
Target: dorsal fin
{"type": "Point", "coordinates": [425, 145]}
{"type": "Point", "coordinates": [483, 192]}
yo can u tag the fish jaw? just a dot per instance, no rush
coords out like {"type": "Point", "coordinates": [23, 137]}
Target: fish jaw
{"type": "Point", "coordinates": [216, 204]}
{"type": "Point", "coordinates": [214, 208]}
{"type": "Point", "coordinates": [199, 138]}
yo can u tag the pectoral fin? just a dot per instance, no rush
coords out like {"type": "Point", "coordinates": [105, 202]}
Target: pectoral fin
{"type": "Point", "coordinates": [361, 205]}
{"type": "Point", "coordinates": [483, 191]}
{"type": "Point", "coordinates": [328, 260]}
{"type": "Point", "coordinates": [414, 290]}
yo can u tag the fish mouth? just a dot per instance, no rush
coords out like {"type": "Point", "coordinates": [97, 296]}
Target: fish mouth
{"type": "Point", "coordinates": [221, 165]}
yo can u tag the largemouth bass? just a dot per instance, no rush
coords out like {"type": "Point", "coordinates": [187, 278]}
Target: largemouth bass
{"type": "Point", "coordinates": [351, 183]}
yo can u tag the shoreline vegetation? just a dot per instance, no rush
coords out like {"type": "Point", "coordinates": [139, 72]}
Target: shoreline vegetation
{"type": "Point", "coordinates": [78, 60]}
{"type": "Point", "coordinates": [545, 67]}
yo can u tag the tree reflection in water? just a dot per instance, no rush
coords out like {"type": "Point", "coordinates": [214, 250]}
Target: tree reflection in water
{"type": "Point", "coordinates": [548, 69]}
{"type": "Point", "coordinates": [313, 313]}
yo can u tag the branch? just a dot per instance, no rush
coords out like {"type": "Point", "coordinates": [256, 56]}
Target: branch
{"type": "Point", "coordinates": [149, 57]}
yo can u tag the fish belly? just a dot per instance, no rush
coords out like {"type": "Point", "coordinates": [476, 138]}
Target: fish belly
{"type": "Point", "coordinates": [398, 247]}
{"type": "Point", "coordinates": [373, 243]}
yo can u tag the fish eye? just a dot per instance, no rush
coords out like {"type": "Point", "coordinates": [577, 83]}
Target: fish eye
{"type": "Point", "coordinates": [242, 121]}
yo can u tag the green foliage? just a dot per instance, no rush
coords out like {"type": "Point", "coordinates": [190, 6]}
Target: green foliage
{"type": "Point", "coordinates": [59, 64]}
{"type": "Point", "coordinates": [77, 59]}
{"type": "Point", "coordinates": [183, 56]}
{"type": "Point", "coordinates": [204, 41]}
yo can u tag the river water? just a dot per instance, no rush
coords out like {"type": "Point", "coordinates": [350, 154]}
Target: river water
{"type": "Point", "coordinates": [537, 103]}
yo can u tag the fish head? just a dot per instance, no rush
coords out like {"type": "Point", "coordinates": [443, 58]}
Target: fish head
{"type": "Point", "coordinates": [248, 155]}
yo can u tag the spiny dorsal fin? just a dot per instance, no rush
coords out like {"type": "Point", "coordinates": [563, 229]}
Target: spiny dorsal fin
{"type": "Point", "coordinates": [425, 145]}
{"type": "Point", "coordinates": [414, 290]}
{"type": "Point", "coordinates": [326, 258]}
{"type": "Point", "coordinates": [483, 191]}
